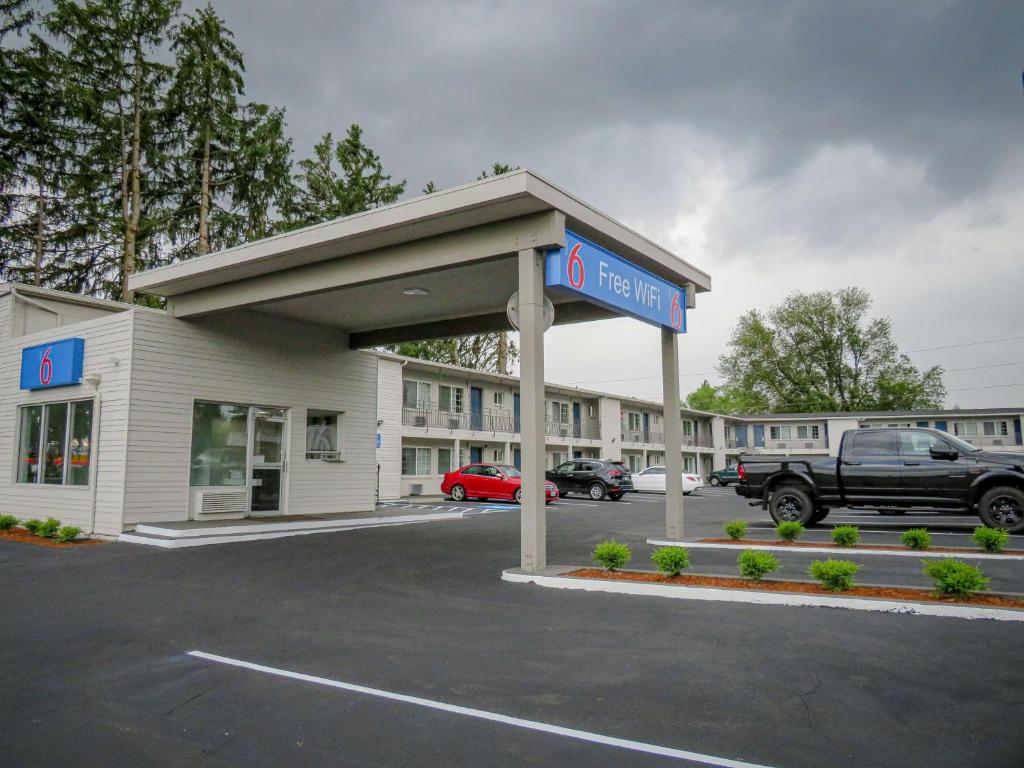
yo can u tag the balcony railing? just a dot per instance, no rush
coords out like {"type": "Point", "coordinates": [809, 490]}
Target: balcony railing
{"type": "Point", "coordinates": [650, 437]}
{"type": "Point", "coordinates": [990, 441]}
{"type": "Point", "coordinates": [587, 429]}
{"type": "Point", "coordinates": [495, 421]}
{"type": "Point", "coordinates": [795, 444]}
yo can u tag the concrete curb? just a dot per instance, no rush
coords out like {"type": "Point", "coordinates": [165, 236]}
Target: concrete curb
{"type": "Point", "coordinates": [299, 525]}
{"type": "Point", "coordinates": [550, 578]}
{"type": "Point", "coordinates": [834, 550]}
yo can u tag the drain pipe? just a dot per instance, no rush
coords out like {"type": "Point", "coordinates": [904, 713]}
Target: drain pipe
{"type": "Point", "coordinates": [93, 380]}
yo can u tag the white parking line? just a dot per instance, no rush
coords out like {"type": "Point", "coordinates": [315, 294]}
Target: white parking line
{"type": "Point", "coordinates": [480, 714]}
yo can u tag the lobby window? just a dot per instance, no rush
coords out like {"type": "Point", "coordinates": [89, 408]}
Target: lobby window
{"type": "Point", "coordinates": [220, 437]}
{"type": "Point", "coordinates": [55, 442]}
{"type": "Point", "coordinates": [323, 435]}
{"type": "Point", "coordinates": [415, 462]}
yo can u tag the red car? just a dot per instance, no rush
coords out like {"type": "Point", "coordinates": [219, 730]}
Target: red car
{"type": "Point", "coordinates": [489, 481]}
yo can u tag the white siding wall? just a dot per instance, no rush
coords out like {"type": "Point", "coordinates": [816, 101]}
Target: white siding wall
{"type": "Point", "coordinates": [5, 315]}
{"type": "Point", "coordinates": [107, 353]}
{"type": "Point", "coordinates": [246, 359]}
{"type": "Point", "coordinates": [389, 410]}
{"type": "Point", "coordinates": [611, 428]}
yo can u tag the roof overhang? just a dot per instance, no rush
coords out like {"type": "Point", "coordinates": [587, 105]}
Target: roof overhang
{"type": "Point", "coordinates": [459, 245]}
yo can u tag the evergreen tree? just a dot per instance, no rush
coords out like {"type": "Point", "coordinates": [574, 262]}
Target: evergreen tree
{"type": "Point", "coordinates": [262, 182]}
{"type": "Point", "coordinates": [505, 347]}
{"type": "Point", "coordinates": [323, 193]}
{"type": "Point", "coordinates": [113, 52]}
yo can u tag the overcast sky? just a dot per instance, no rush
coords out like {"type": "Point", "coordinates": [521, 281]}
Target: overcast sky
{"type": "Point", "coordinates": [776, 145]}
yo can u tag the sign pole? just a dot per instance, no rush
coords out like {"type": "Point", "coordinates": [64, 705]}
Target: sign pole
{"type": "Point", "coordinates": [673, 435]}
{"type": "Point", "coordinates": [533, 522]}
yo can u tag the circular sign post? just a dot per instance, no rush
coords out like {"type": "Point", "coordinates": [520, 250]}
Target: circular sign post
{"type": "Point", "coordinates": [512, 310]}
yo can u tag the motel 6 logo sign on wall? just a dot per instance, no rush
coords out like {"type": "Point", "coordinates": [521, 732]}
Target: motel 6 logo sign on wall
{"type": "Point", "coordinates": [55, 364]}
{"type": "Point", "coordinates": [585, 268]}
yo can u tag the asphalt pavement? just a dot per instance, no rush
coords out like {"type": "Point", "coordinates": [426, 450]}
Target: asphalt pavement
{"type": "Point", "coordinates": [96, 670]}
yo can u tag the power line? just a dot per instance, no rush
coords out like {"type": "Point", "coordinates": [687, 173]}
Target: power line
{"type": "Point", "coordinates": [990, 386]}
{"type": "Point", "coordinates": [979, 367]}
{"type": "Point", "coordinates": [967, 344]}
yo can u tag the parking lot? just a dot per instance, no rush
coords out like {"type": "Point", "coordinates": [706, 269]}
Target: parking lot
{"type": "Point", "coordinates": [95, 657]}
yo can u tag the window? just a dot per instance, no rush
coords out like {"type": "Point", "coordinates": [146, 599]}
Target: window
{"type": "Point", "coordinates": [807, 432]}
{"type": "Point", "coordinates": [921, 443]}
{"type": "Point", "coordinates": [499, 455]}
{"type": "Point", "coordinates": [322, 434]}
{"type": "Point", "coordinates": [965, 428]}
{"type": "Point", "coordinates": [633, 421]}
{"type": "Point", "coordinates": [654, 471]}
{"type": "Point", "coordinates": [559, 412]}
{"type": "Point", "coordinates": [568, 466]}
{"type": "Point", "coordinates": [873, 443]}
{"type": "Point", "coordinates": [444, 461]}
{"type": "Point", "coordinates": [780, 433]}
{"type": "Point", "coordinates": [556, 459]}
{"type": "Point", "coordinates": [449, 398]}
{"type": "Point", "coordinates": [415, 394]}
{"type": "Point", "coordinates": [993, 428]}
{"type": "Point", "coordinates": [475, 469]}
{"type": "Point", "coordinates": [220, 438]}
{"type": "Point", "coordinates": [687, 428]}
{"type": "Point", "coordinates": [415, 462]}
{"type": "Point", "coordinates": [499, 399]}
{"type": "Point", "coordinates": [591, 411]}
{"type": "Point", "coordinates": [54, 443]}
{"type": "Point", "coordinates": [689, 464]}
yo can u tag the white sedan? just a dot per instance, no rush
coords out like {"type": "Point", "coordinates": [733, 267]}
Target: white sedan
{"type": "Point", "coordinates": [652, 480]}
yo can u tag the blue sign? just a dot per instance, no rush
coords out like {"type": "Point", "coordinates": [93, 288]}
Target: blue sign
{"type": "Point", "coordinates": [588, 269]}
{"type": "Point", "coordinates": [378, 439]}
{"type": "Point", "coordinates": [56, 364]}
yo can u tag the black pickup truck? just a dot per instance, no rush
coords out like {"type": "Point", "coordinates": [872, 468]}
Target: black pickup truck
{"type": "Point", "coordinates": [889, 469]}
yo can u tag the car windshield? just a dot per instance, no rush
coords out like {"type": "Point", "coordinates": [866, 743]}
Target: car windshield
{"type": "Point", "coordinates": [510, 471]}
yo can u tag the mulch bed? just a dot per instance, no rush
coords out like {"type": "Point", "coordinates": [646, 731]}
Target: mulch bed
{"type": "Point", "coordinates": [830, 545]}
{"type": "Point", "coordinates": [20, 534]}
{"type": "Point", "coordinates": [885, 593]}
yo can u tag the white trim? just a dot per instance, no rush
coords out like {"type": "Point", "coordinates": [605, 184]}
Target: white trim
{"type": "Point", "coordinates": [480, 714]}
{"type": "Point", "coordinates": [129, 538]}
{"type": "Point", "coordinates": [298, 525]}
{"type": "Point", "coordinates": [767, 598]}
{"type": "Point", "coordinates": [835, 550]}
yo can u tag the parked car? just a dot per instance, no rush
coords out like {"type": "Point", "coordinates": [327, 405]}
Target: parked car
{"type": "Point", "coordinates": [723, 476]}
{"type": "Point", "coordinates": [489, 481]}
{"type": "Point", "coordinates": [652, 480]}
{"type": "Point", "coordinates": [595, 477]}
{"type": "Point", "coordinates": [890, 469]}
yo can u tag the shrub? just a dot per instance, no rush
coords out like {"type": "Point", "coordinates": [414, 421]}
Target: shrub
{"type": "Point", "coordinates": [955, 577]}
{"type": "Point", "coordinates": [755, 564]}
{"type": "Point", "coordinates": [991, 539]}
{"type": "Point", "coordinates": [7, 522]}
{"type": "Point", "coordinates": [846, 535]}
{"type": "Point", "coordinates": [916, 538]}
{"type": "Point", "coordinates": [68, 533]}
{"type": "Point", "coordinates": [32, 525]}
{"type": "Point", "coordinates": [834, 575]}
{"type": "Point", "coordinates": [612, 555]}
{"type": "Point", "coordinates": [671, 560]}
{"type": "Point", "coordinates": [789, 530]}
{"type": "Point", "coordinates": [736, 530]}
{"type": "Point", "coordinates": [48, 529]}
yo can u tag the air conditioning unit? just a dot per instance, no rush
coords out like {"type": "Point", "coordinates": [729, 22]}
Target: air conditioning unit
{"type": "Point", "coordinates": [781, 445]}
{"type": "Point", "coordinates": [808, 445]}
{"type": "Point", "coordinates": [421, 421]}
{"type": "Point", "coordinates": [218, 503]}
{"type": "Point", "coordinates": [997, 441]}
{"type": "Point", "coordinates": [454, 423]}
{"type": "Point", "coordinates": [563, 432]}
{"type": "Point", "coordinates": [416, 489]}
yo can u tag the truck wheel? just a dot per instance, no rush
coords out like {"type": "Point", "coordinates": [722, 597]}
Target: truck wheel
{"type": "Point", "coordinates": [819, 514]}
{"type": "Point", "coordinates": [790, 503]}
{"type": "Point", "coordinates": [1002, 507]}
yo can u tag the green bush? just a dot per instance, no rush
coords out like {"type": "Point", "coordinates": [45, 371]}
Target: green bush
{"type": "Point", "coordinates": [32, 525]}
{"type": "Point", "coordinates": [991, 539]}
{"type": "Point", "coordinates": [789, 530]}
{"type": "Point", "coordinates": [736, 530]}
{"type": "Point", "coordinates": [68, 533]}
{"type": "Point", "coordinates": [48, 529]}
{"type": "Point", "coordinates": [671, 560]}
{"type": "Point", "coordinates": [755, 564]}
{"type": "Point", "coordinates": [916, 538]}
{"type": "Point", "coordinates": [834, 575]}
{"type": "Point", "coordinates": [846, 535]}
{"type": "Point", "coordinates": [955, 577]}
{"type": "Point", "coordinates": [7, 522]}
{"type": "Point", "coordinates": [612, 555]}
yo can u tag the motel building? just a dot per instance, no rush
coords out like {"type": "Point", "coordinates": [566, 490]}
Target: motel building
{"type": "Point", "coordinates": [258, 391]}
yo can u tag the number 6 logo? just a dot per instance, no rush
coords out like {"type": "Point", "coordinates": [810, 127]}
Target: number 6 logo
{"type": "Point", "coordinates": [46, 367]}
{"type": "Point", "coordinates": [676, 312]}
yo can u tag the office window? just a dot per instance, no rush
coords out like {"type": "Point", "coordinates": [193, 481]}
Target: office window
{"type": "Point", "coordinates": [450, 399]}
{"type": "Point", "coordinates": [415, 462]}
{"type": "Point", "coordinates": [322, 434]}
{"type": "Point", "coordinates": [994, 428]}
{"type": "Point", "coordinates": [220, 438]}
{"type": "Point", "coordinates": [444, 460]}
{"type": "Point", "coordinates": [415, 394]}
{"type": "Point", "coordinates": [54, 444]}
{"type": "Point", "coordinates": [965, 428]}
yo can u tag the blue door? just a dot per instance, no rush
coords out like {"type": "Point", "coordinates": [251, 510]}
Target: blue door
{"type": "Point", "coordinates": [576, 426]}
{"type": "Point", "coordinates": [515, 414]}
{"type": "Point", "coordinates": [647, 427]}
{"type": "Point", "coordinates": [942, 425]}
{"type": "Point", "coordinates": [741, 436]}
{"type": "Point", "coordinates": [759, 435]}
{"type": "Point", "coordinates": [476, 405]}
{"type": "Point", "coordinates": [517, 456]}
{"type": "Point", "coordinates": [476, 455]}
{"type": "Point", "coordinates": [1017, 437]}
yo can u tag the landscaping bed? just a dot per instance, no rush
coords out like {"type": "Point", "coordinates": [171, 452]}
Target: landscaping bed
{"type": "Point", "coordinates": [858, 547]}
{"type": "Point", "coordinates": [723, 582]}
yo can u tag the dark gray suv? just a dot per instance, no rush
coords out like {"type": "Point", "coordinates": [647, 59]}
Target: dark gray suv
{"type": "Point", "coordinates": [594, 477]}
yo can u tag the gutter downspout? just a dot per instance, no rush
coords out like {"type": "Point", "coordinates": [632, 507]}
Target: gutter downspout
{"type": "Point", "coordinates": [94, 381]}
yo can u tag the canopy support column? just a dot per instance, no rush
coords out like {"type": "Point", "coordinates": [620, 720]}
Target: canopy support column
{"type": "Point", "coordinates": [673, 435]}
{"type": "Point", "coordinates": [533, 522]}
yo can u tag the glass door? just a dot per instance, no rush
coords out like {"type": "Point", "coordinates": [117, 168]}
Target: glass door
{"type": "Point", "coordinates": [268, 459]}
